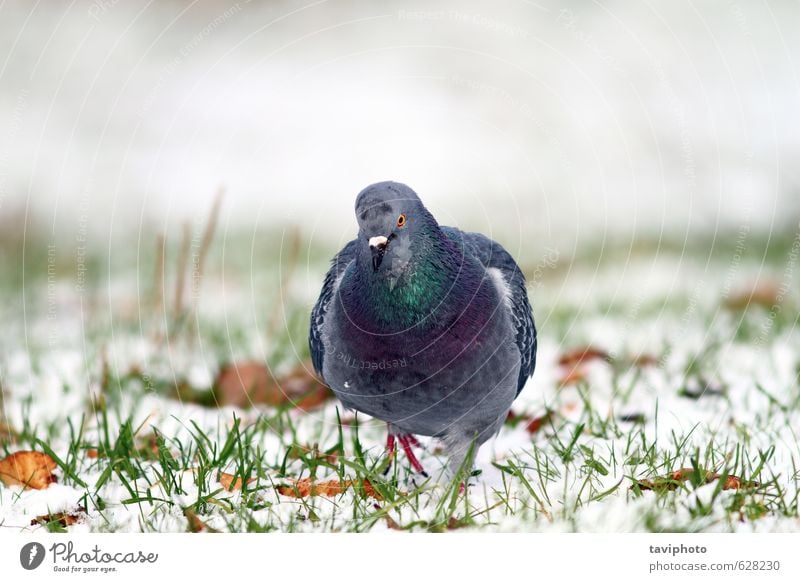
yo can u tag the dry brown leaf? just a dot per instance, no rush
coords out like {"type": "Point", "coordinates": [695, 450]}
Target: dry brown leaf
{"type": "Point", "coordinates": [732, 482]}
{"type": "Point", "coordinates": [370, 491]}
{"type": "Point", "coordinates": [28, 468]}
{"type": "Point", "coordinates": [645, 361]}
{"type": "Point", "coordinates": [304, 390]}
{"type": "Point", "coordinates": [569, 407]}
{"type": "Point", "coordinates": [307, 487]}
{"type": "Point", "coordinates": [676, 478]}
{"type": "Point", "coordinates": [231, 482]}
{"type": "Point", "coordinates": [572, 377]}
{"type": "Point", "coordinates": [536, 424]}
{"type": "Point", "coordinates": [246, 383]}
{"type": "Point", "coordinates": [148, 444]}
{"type": "Point", "coordinates": [196, 525]}
{"type": "Point", "coordinates": [579, 356]}
{"type": "Point", "coordinates": [64, 519]}
{"type": "Point", "coordinates": [454, 523]}
{"type": "Point", "coordinates": [392, 524]}
{"type": "Point", "coordinates": [764, 294]}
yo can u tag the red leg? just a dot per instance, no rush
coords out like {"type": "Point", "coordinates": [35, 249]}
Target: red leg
{"type": "Point", "coordinates": [405, 441]}
{"type": "Point", "coordinates": [389, 451]}
{"type": "Point", "coordinates": [413, 440]}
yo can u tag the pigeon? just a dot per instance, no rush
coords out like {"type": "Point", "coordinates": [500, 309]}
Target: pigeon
{"type": "Point", "coordinates": [423, 326]}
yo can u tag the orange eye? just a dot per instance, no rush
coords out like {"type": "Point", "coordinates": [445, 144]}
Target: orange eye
{"type": "Point", "coordinates": [401, 220]}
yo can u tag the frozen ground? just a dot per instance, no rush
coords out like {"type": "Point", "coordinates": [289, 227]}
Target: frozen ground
{"type": "Point", "coordinates": [688, 379]}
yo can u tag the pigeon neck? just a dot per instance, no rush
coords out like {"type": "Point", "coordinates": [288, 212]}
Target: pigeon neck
{"type": "Point", "coordinates": [415, 297]}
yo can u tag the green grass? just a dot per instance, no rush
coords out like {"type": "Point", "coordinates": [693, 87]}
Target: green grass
{"type": "Point", "coordinates": [141, 445]}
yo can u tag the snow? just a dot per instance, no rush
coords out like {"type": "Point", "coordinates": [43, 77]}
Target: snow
{"type": "Point", "coordinates": [47, 388]}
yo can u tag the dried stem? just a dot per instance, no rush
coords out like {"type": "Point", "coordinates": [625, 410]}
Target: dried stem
{"type": "Point", "coordinates": [205, 244]}
{"type": "Point", "coordinates": [157, 301]}
{"type": "Point", "coordinates": [180, 281]}
{"type": "Point", "coordinates": [294, 245]}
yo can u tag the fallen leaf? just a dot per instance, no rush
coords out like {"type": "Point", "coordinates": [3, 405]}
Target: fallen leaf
{"type": "Point", "coordinates": [303, 388]}
{"type": "Point", "coordinates": [536, 424]}
{"type": "Point", "coordinates": [677, 478]}
{"type": "Point", "coordinates": [579, 356]}
{"type": "Point", "coordinates": [231, 482]}
{"type": "Point", "coordinates": [764, 294]}
{"type": "Point", "coordinates": [454, 523]}
{"type": "Point", "coordinates": [645, 360]}
{"type": "Point", "coordinates": [732, 482]}
{"type": "Point", "coordinates": [572, 377]}
{"type": "Point", "coordinates": [64, 519]}
{"type": "Point", "coordinates": [246, 383]}
{"type": "Point", "coordinates": [148, 445]}
{"type": "Point", "coordinates": [392, 524]}
{"type": "Point", "coordinates": [196, 525]}
{"type": "Point", "coordinates": [569, 407]}
{"type": "Point", "coordinates": [307, 487]}
{"type": "Point", "coordinates": [370, 491]}
{"type": "Point", "coordinates": [28, 468]}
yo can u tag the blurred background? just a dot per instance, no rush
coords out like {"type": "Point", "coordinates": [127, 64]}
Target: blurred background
{"type": "Point", "coordinates": [568, 131]}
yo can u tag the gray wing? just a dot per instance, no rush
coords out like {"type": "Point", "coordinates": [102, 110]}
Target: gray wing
{"type": "Point", "coordinates": [492, 255]}
{"type": "Point", "coordinates": [338, 266]}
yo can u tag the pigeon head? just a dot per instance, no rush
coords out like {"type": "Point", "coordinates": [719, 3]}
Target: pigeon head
{"type": "Point", "coordinates": [394, 226]}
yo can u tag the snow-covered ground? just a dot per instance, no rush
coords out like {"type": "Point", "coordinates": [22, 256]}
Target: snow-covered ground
{"type": "Point", "coordinates": [684, 382]}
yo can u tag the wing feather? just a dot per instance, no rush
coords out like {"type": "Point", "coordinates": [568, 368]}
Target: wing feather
{"type": "Point", "coordinates": [492, 255]}
{"type": "Point", "coordinates": [315, 336]}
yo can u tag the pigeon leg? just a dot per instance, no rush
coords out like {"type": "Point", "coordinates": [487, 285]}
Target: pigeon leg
{"type": "Point", "coordinates": [405, 442]}
{"type": "Point", "coordinates": [390, 450]}
{"type": "Point", "coordinates": [413, 440]}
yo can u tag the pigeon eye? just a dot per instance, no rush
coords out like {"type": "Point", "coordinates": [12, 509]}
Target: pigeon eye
{"type": "Point", "coordinates": [401, 220]}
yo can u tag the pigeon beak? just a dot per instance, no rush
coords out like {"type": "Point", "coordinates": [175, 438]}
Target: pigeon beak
{"type": "Point", "coordinates": [377, 244]}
